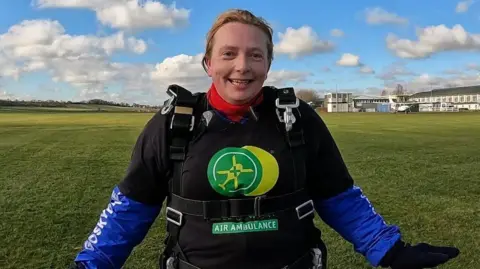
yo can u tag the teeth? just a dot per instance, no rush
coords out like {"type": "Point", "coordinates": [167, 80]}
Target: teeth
{"type": "Point", "coordinates": [240, 81]}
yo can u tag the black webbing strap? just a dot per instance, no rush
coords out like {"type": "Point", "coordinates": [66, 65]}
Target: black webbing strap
{"type": "Point", "coordinates": [298, 203]}
{"type": "Point", "coordinates": [289, 116]}
{"type": "Point", "coordinates": [182, 123]}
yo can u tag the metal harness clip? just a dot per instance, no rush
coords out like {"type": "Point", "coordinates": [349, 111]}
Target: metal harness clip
{"type": "Point", "coordinates": [168, 106]}
{"type": "Point", "coordinates": [288, 116]}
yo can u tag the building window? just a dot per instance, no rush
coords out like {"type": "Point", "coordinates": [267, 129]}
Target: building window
{"type": "Point", "coordinates": [474, 99]}
{"type": "Point", "coordinates": [468, 98]}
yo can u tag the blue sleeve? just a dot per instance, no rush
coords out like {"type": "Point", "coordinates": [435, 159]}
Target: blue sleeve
{"type": "Point", "coordinates": [354, 218]}
{"type": "Point", "coordinates": [121, 226]}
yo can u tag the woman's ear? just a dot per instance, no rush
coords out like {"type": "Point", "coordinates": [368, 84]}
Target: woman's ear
{"type": "Point", "coordinates": [208, 68]}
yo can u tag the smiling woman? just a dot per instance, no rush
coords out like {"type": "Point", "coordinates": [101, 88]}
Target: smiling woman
{"type": "Point", "coordinates": [238, 55]}
{"type": "Point", "coordinates": [243, 169]}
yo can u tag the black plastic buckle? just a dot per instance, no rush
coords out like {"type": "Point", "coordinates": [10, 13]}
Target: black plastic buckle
{"type": "Point", "coordinates": [212, 208]}
{"type": "Point", "coordinates": [190, 126]}
{"type": "Point", "coordinates": [257, 206]}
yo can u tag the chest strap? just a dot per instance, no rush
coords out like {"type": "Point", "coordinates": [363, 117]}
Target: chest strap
{"type": "Point", "coordinates": [297, 203]}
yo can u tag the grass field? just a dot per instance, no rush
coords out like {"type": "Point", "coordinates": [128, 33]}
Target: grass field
{"type": "Point", "coordinates": [421, 171]}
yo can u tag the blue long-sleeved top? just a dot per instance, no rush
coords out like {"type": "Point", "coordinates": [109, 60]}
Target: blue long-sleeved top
{"type": "Point", "coordinates": [122, 226]}
{"type": "Point", "coordinates": [352, 215]}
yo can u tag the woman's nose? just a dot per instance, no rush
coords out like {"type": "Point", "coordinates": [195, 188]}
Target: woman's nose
{"type": "Point", "coordinates": [242, 64]}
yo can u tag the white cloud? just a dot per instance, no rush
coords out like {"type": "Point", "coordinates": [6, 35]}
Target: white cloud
{"type": "Point", "coordinates": [395, 70]}
{"type": "Point", "coordinates": [434, 39]}
{"type": "Point", "coordinates": [348, 59]}
{"type": "Point", "coordinates": [285, 78]}
{"type": "Point", "coordinates": [5, 95]}
{"type": "Point", "coordinates": [366, 70]}
{"type": "Point", "coordinates": [34, 45]}
{"type": "Point", "coordinates": [8, 67]}
{"type": "Point", "coordinates": [352, 60]}
{"type": "Point", "coordinates": [463, 6]}
{"type": "Point", "coordinates": [82, 61]}
{"type": "Point", "coordinates": [47, 39]}
{"type": "Point", "coordinates": [377, 16]}
{"type": "Point", "coordinates": [70, 3]}
{"type": "Point", "coordinates": [301, 42]}
{"type": "Point", "coordinates": [185, 70]}
{"type": "Point", "coordinates": [337, 33]}
{"type": "Point", "coordinates": [127, 14]}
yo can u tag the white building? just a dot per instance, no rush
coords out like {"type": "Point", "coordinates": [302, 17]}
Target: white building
{"type": "Point", "coordinates": [461, 97]}
{"type": "Point", "coordinates": [339, 102]}
{"type": "Point", "coordinates": [371, 103]}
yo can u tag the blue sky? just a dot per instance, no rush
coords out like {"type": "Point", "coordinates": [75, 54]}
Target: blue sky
{"type": "Point", "coordinates": [62, 52]}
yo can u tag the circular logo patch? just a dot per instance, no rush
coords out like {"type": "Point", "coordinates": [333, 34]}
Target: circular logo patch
{"type": "Point", "coordinates": [248, 171]}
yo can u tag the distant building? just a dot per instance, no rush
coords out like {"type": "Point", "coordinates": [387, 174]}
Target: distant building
{"type": "Point", "coordinates": [338, 102]}
{"type": "Point", "coordinates": [459, 97]}
{"type": "Point", "coordinates": [371, 103]}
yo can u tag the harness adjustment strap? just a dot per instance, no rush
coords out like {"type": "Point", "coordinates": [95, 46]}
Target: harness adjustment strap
{"type": "Point", "coordinates": [298, 201]}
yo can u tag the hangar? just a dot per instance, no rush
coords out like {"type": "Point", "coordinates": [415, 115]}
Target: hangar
{"type": "Point", "coordinates": [463, 98]}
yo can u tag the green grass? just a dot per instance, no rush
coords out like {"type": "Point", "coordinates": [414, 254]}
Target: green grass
{"type": "Point", "coordinates": [421, 171]}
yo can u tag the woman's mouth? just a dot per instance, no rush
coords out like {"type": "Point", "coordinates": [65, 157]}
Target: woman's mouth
{"type": "Point", "coordinates": [240, 82]}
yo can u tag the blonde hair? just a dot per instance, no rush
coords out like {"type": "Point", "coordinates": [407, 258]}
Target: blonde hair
{"type": "Point", "coordinates": [241, 16]}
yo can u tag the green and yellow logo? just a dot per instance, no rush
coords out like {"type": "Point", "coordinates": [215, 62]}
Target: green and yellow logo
{"type": "Point", "coordinates": [248, 171]}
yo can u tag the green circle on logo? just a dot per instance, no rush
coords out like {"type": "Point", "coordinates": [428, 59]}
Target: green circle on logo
{"type": "Point", "coordinates": [234, 171]}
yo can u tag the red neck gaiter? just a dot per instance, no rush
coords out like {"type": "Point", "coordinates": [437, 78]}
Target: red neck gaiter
{"type": "Point", "coordinates": [233, 112]}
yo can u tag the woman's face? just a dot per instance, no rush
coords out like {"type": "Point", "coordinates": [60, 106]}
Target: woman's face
{"type": "Point", "coordinates": [239, 62]}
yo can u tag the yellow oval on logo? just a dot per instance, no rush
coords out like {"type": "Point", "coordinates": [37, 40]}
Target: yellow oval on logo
{"type": "Point", "coordinates": [270, 169]}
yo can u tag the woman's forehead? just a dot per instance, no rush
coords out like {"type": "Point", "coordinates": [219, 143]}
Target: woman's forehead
{"type": "Point", "coordinates": [240, 36]}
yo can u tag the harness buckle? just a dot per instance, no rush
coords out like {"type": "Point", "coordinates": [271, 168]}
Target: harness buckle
{"type": "Point", "coordinates": [177, 214]}
{"type": "Point", "coordinates": [170, 264]}
{"type": "Point", "coordinates": [191, 125]}
{"type": "Point", "coordinates": [257, 206]}
{"type": "Point", "coordinates": [168, 106]}
{"type": "Point", "coordinates": [288, 116]}
{"type": "Point", "coordinates": [306, 211]}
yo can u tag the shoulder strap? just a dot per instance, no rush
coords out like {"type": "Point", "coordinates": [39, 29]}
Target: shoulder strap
{"type": "Point", "coordinates": [183, 110]}
{"type": "Point", "coordinates": [183, 116]}
{"type": "Point", "coordinates": [289, 120]}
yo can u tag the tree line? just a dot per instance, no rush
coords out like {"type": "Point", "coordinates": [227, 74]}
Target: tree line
{"type": "Point", "coordinates": [55, 103]}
